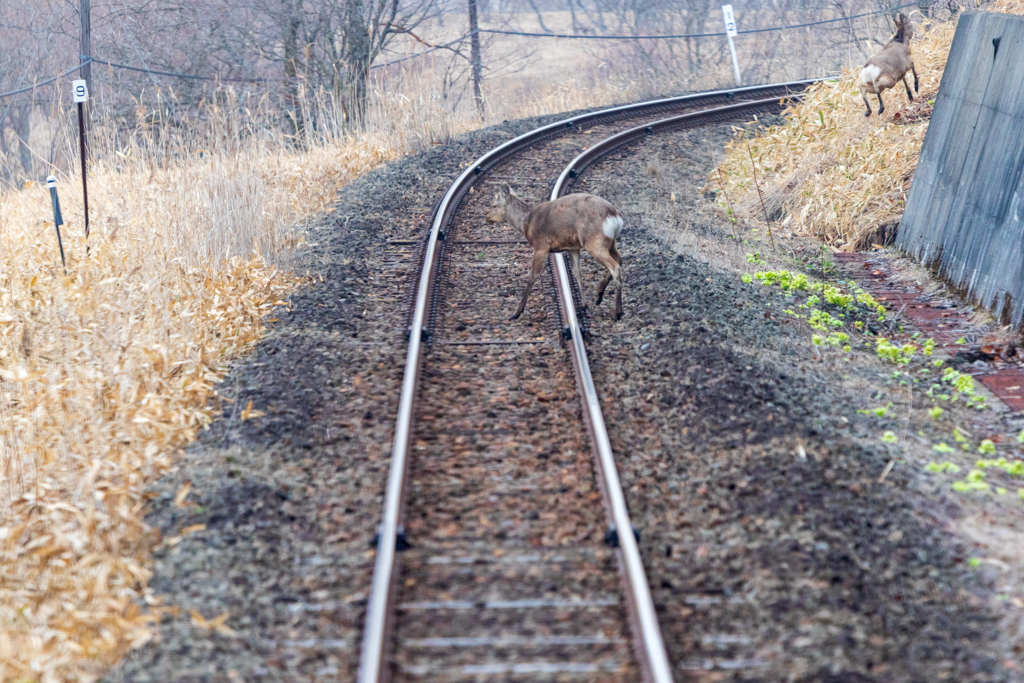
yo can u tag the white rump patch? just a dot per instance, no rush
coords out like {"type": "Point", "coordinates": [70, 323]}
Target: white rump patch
{"type": "Point", "coordinates": [869, 73]}
{"type": "Point", "coordinates": [612, 226]}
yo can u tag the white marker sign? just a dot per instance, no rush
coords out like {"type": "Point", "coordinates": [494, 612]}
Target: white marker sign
{"type": "Point", "coordinates": [80, 90]}
{"type": "Point", "coordinates": [730, 21]}
{"type": "Point", "coordinates": [730, 33]}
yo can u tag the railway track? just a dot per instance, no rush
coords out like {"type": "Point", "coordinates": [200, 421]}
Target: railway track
{"type": "Point", "coordinates": [495, 557]}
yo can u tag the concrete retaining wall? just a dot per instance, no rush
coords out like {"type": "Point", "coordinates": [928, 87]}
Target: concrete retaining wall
{"type": "Point", "coordinates": [965, 211]}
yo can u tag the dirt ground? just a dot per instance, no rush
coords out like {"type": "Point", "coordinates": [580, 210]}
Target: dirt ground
{"type": "Point", "coordinates": [772, 547]}
{"type": "Point", "coordinates": [773, 550]}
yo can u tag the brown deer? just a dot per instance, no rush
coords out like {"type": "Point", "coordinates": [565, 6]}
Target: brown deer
{"type": "Point", "coordinates": [889, 66]}
{"type": "Point", "coordinates": [569, 223]}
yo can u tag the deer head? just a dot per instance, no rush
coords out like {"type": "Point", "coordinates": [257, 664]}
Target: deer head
{"type": "Point", "coordinates": [508, 208]}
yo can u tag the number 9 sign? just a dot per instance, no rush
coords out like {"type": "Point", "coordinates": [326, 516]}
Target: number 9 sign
{"type": "Point", "coordinates": [80, 91]}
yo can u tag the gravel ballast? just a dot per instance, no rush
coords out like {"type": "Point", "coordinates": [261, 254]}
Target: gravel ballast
{"type": "Point", "coordinates": [773, 551]}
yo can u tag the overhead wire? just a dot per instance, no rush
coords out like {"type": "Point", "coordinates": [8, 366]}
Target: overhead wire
{"type": "Point", "coordinates": [586, 36]}
{"type": "Point", "coordinates": [575, 36]}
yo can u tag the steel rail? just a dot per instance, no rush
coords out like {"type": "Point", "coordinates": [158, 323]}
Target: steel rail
{"type": "Point", "coordinates": [390, 534]}
{"type": "Point", "coordinates": [652, 656]}
{"type": "Point", "coordinates": [725, 114]}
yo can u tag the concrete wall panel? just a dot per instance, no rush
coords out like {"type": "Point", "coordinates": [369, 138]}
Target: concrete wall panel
{"type": "Point", "coordinates": [965, 210]}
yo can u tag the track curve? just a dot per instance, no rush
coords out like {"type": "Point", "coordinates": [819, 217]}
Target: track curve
{"type": "Point", "coordinates": [440, 274]}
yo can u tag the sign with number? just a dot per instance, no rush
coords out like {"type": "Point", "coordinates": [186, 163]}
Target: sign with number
{"type": "Point", "coordinates": [80, 90]}
{"type": "Point", "coordinates": [730, 21]}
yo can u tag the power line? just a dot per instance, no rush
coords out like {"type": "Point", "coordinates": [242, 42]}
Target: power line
{"type": "Point", "coordinates": [12, 93]}
{"type": "Point", "coordinates": [575, 36]}
{"type": "Point", "coordinates": [194, 77]}
{"type": "Point", "coordinates": [584, 36]}
{"type": "Point", "coordinates": [425, 52]}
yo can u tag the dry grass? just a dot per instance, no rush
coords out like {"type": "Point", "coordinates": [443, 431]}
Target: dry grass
{"type": "Point", "coordinates": [830, 172]}
{"type": "Point", "coordinates": [107, 370]}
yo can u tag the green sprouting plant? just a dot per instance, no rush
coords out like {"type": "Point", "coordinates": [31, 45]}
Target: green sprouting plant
{"type": "Point", "coordinates": [958, 435]}
{"type": "Point", "coordinates": [889, 437]}
{"type": "Point", "coordinates": [1015, 468]}
{"type": "Point", "coordinates": [936, 412]}
{"type": "Point", "coordinates": [961, 341]}
{"type": "Point", "coordinates": [974, 481]}
{"type": "Point", "coordinates": [1020, 437]}
{"type": "Point", "coordinates": [942, 467]}
{"type": "Point", "coordinates": [943, 448]}
{"type": "Point", "coordinates": [821, 320]}
{"type": "Point", "coordinates": [974, 562]}
{"type": "Point", "coordinates": [1000, 491]}
{"type": "Point", "coordinates": [785, 280]}
{"type": "Point", "coordinates": [880, 411]}
{"type": "Point", "coordinates": [835, 296]}
{"type": "Point", "coordinates": [987, 447]}
{"type": "Point", "coordinates": [961, 382]}
{"type": "Point", "coordinates": [937, 362]}
{"type": "Point", "coordinates": [755, 258]}
{"type": "Point", "coordinates": [901, 354]}
{"type": "Point", "coordinates": [929, 346]}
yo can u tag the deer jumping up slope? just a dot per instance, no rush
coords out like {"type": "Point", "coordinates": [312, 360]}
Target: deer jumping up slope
{"type": "Point", "coordinates": [569, 223]}
{"type": "Point", "coordinates": [889, 66]}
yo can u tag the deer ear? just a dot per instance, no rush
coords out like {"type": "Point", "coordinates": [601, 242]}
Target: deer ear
{"type": "Point", "coordinates": [505, 190]}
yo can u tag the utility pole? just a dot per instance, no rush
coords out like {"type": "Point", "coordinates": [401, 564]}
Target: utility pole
{"type": "Point", "coordinates": [85, 46]}
{"type": "Point", "coordinates": [474, 56]}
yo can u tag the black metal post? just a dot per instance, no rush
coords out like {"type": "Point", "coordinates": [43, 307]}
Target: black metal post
{"type": "Point", "coordinates": [58, 220]}
{"type": "Point", "coordinates": [82, 148]}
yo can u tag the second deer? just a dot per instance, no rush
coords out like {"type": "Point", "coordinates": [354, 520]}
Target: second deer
{"type": "Point", "coordinates": [889, 66]}
{"type": "Point", "coordinates": [569, 223]}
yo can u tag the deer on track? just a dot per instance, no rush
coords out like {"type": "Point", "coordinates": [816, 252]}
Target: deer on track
{"type": "Point", "coordinates": [569, 223]}
{"type": "Point", "coordinates": [889, 66]}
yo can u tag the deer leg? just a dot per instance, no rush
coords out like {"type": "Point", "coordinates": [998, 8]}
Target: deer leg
{"type": "Point", "coordinates": [607, 278]}
{"type": "Point", "coordinates": [905, 85]}
{"type": "Point", "coordinates": [574, 256]}
{"type": "Point", "coordinates": [609, 261]}
{"type": "Point", "coordinates": [601, 288]}
{"type": "Point", "coordinates": [615, 254]}
{"type": "Point", "coordinates": [881, 104]}
{"type": "Point", "coordinates": [914, 71]}
{"type": "Point", "coordinates": [863, 94]}
{"type": "Point", "coordinates": [539, 257]}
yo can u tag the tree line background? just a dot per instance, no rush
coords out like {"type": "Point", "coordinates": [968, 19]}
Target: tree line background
{"type": "Point", "coordinates": [292, 49]}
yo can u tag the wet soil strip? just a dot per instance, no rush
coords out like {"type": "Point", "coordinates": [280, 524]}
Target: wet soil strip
{"type": "Point", "coordinates": [939, 318]}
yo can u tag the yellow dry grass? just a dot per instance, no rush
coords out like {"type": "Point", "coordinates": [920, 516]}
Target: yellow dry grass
{"type": "Point", "coordinates": [106, 370]}
{"type": "Point", "coordinates": [828, 171]}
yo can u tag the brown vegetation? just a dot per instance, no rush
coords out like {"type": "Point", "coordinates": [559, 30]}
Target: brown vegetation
{"type": "Point", "coordinates": [827, 171]}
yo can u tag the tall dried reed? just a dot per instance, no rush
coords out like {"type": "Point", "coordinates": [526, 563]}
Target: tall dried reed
{"type": "Point", "coordinates": [827, 169]}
